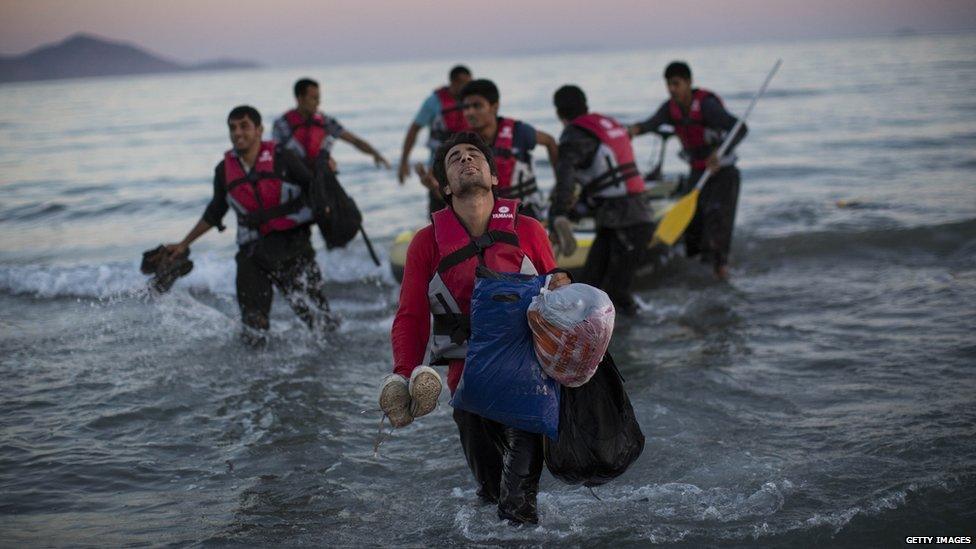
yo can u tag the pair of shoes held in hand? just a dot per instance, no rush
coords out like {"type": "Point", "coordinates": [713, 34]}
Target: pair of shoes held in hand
{"type": "Point", "coordinates": [403, 400]}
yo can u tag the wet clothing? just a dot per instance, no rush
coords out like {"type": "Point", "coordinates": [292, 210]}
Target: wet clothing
{"type": "Point", "coordinates": [283, 259]}
{"type": "Point", "coordinates": [506, 462]}
{"type": "Point", "coordinates": [614, 258]}
{"type": "Point", "coordinates": [286, 261]}
{"type": "Point", "coordinates": [623, 225]}
{"type": "Point", "coordinates": [512, 148]}
{"type": "Point", "coordinates": [320, 133]}
{"type": "Point", "coordinates": [710, 232]}
{"type": "Point", "coordinates": [709, 235]}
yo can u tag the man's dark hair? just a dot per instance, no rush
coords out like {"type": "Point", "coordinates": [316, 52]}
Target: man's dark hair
{"type": "Point", "coordinates": [679, 69]}
{"type": "Point", "coordinates": [303, 85]}
{"type": "Point", "coordinates": [570, 102]}
{"type": "Point", "coordinates": [440, 157]}
{"type": "Point", "coordinates": [484, 88]}
{"type": "Point", "coordinates": [245, 111]}
{"type": "Point", "coordinates": [457, 71]}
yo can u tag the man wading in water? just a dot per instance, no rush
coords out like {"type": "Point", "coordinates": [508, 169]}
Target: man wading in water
{"type": "Point", "coordinates": [310, 133]}
{"type": "Point", "coordinates": [438, 280]}
{"type": "Point", "coordinates": [441, 112]}
{"type": "Point", "coordinates": [701, 122]}
{"type": "Point", "coordinates": [595, 153]}
{"type": "Point", "coordinates": [264, 183]}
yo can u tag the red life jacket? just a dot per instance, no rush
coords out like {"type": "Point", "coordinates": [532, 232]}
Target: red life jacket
{"type": "Point", "coordinates": [502, 150]}
{"type": "Point", "coordinates": [691, 128]}
{"type": "Point", "coordinates": [515, 177]}
{"type": "Point", "coordinates": [309, 133]}
{"type": "Point", "coordinates": [263, 202]}
{"type": "Point", "coordinates": [449, 291]}
{"type": "Point", "coordinates": [454, 120]}
{"type": "Point", "coordinates": [613, 172]}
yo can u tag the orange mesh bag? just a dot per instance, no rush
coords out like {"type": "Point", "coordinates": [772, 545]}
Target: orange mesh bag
{"type": "Point", "coordinates": [571, 329]}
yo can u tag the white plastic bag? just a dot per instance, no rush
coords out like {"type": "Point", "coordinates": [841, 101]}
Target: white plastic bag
{"type": "Point", "coordinates": [571, 329]}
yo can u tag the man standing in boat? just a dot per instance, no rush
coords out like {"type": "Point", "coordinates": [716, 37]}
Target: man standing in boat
{"type": "Point", "coordinates": [438, 280]}
{"type": "Point", "coordinates": [263, 182]}
{"type": "Point", "coordinates": [441, 113]}
{"type": "Point", "coordinates": [595, 153]}
{"type": "Point", "coordinates": [701, 122]}
{"type": "Point", "coordinates": [310, 133]}
{"type": "Point", "coordinates": [511, 142]}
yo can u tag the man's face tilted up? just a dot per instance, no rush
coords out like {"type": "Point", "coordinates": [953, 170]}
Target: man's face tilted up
{"type": "Point", "coordinates": [244, 134]}
{"type": "Point", "coordinates": [467, 171]}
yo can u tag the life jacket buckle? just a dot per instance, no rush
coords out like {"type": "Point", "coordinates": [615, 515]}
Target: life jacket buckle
{"type": "Point", "coordinates": [483, 242]}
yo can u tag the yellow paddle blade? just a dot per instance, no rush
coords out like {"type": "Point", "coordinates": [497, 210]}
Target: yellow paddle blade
{"type": "Point", "coordinates": [676, 220]}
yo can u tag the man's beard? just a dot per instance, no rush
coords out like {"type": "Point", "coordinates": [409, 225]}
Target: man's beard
{"type": "Point", "coordinates": [472, 185]}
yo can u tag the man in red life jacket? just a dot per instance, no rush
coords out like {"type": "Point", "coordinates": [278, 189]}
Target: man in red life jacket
{"type": "Point", "coordinates": [595, 153]}
{"type": "Point", "coordinates": [310, 133]}
{"type": "Point", "coordinates": [441, 113]}
{"type": "Point", "coordinates": [511, 142]}
{"type": "Point", "coordinates": [701, 123]}
{"type": "Point", "coordinates": [438, 280]}
{"type": "Point", "coordinates": [263, 183]}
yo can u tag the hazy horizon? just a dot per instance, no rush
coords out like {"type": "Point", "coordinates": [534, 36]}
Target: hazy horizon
{"type": "Point", "coordinates": [341, 31]}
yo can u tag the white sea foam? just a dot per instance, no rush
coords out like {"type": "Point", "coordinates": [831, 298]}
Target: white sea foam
{"type": "Point", "coordinates": [211, 273]}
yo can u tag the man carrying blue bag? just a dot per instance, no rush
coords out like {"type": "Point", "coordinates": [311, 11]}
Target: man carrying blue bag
{"type": "Point", "coordinates": [476, 229]}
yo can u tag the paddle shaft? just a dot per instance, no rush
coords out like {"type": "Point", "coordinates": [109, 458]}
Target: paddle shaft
{"type": "Point", "coordinates": [738, 125]}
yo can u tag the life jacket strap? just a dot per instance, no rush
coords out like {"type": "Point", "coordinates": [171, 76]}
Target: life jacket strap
{"type": "Point", "coordinates": [613, 176]}
{"type": "Point", "coordinates": [254, 220]}
{"type": "Point", "coordinates": [520, 190]}
{"type": "Point", "coordinates": [476, 247]}
{"type": "Point", "coordinates": [253, 177]}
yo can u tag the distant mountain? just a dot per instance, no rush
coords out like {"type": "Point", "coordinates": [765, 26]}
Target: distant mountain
{"type": "Point", "coordinates": [84, 55]}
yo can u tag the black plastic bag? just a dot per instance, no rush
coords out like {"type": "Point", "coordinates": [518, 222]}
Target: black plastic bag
{"type": "Point", "coordinates": [335, 212]}
{"type": "Point", "coordinates": [599, 437]}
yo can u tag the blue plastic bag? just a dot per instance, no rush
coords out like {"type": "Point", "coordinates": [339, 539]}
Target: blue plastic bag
{"type": "Point", "coordinates": [502, 379]}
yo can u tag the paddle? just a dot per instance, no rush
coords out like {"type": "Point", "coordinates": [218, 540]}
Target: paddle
{"type": "Point", "coordinates": [674, 223]}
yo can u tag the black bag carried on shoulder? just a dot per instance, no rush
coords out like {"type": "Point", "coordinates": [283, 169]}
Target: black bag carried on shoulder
{"type": "Point", "coordinates": [599, 437]}
{"type": "Point", "coordinates": [336, 213]}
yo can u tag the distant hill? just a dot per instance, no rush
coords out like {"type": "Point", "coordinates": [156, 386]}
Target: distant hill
{"type": "Point", "coordinates": [84, 55]}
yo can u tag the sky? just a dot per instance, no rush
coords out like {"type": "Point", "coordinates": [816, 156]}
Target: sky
{"type": "Point", "coordinates": [297, 32]}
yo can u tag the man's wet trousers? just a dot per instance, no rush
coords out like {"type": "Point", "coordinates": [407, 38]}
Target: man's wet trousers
{"type": "Point", "coordinates": [506, 463]}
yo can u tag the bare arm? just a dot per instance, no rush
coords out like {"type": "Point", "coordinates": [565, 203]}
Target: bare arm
{"type": "Point", "coordinates": [365, 147]}
{"type": "Point", "coordinates": [198, 230]}
{"type": "Point", "coordinates": [408, 143]}
{"type": "Point", "coordinates": [552, 148]}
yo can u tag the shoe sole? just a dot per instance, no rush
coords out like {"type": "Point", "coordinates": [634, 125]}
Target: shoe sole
{"type": "Point", "coordinates": [395, 403]}
{"type": "Point", "coordinates": [424, 391]}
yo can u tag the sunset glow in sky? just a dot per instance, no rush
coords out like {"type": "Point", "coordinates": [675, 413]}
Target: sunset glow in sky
{"type": "Point", "coordinates": [307, 31]}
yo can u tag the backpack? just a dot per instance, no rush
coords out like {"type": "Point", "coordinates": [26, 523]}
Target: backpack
{"type": "Point", "coordinates": [334, 211]}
